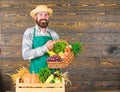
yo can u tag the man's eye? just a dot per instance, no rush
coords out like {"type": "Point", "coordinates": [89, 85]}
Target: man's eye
{"type": "Point", "coordinates": [40, 14]}
{"type": "Point", "coordinates": [46, 14]}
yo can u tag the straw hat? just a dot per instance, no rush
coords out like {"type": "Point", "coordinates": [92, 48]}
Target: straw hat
{"type": "Point", "coordinates": [41, 8]}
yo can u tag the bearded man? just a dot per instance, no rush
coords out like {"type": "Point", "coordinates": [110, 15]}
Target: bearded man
{"type": "Point", "coordinates": [38, 40]}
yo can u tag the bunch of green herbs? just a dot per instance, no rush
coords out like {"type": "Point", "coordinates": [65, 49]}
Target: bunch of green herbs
{"type": "Point", "coordinates": [44, 73]}
{"type": "Point", "coordinates": [76, 48]}
{"type": "Point", "coordinates": [59, 47]}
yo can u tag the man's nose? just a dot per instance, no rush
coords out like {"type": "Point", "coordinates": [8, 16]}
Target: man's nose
{"type": "Point", "coordinates": [43, 16]}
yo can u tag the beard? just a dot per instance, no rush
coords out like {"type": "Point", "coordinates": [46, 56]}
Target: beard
{"type": "Point", "coordinates": [43, 23]}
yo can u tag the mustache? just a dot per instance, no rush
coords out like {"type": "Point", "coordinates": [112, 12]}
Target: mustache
{"type": "Point", "coordinates": [44, 20]}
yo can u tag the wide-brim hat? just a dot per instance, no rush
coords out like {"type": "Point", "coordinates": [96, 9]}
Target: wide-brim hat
{"type": "Point", "coordinates": [41, 8]}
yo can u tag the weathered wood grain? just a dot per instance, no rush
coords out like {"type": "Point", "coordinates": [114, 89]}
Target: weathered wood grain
{"type": "Point", "coordinates": [79, 64]}
{"type": "Point", "coordinates": [95, 62]}
{"type": "Point", "coordinates": [96, 74]}
{"type": "Point", "coordinates": [86, 38]}
{"type": "Point", "coordinates": [80, 17]}
{"type": "Point", "coordinates": [99, 85]}
{"type": "Point", "coordinates": [65, 27]}
{"type": "Point", "coordinates": [95, 23]}
{"type": "Point", "coordinates": [88, 51]}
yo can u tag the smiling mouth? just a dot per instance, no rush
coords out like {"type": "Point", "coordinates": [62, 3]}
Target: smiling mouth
{"type": "Point", "coordinates": [43, 20]}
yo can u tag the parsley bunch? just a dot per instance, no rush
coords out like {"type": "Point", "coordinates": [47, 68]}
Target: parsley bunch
{"type": "Point", "coordinates": [76, 48]}
{"type": "Point", "coordinates": [44, 73]}
{"type": "Point", "coordinates": [59, 47]}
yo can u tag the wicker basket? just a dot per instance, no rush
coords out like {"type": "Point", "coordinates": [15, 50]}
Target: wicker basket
{"type": "Point", "coordinates": [65, 62]}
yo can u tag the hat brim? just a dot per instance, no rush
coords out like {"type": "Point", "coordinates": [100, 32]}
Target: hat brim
{"type": "Point", "coordinates": [35, 11]}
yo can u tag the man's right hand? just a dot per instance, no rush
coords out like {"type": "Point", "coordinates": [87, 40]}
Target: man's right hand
{"type": "Point", "coordinates": [50, 44]}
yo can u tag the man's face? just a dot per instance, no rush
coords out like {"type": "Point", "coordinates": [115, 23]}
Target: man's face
{"type": "Point", "coordinates": [42, 19]}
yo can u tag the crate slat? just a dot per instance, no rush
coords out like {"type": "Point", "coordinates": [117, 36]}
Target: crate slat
{"type": "Point", "coordinates": [40, 90]}
{"type": "Point", "coordinates": [40, 87]}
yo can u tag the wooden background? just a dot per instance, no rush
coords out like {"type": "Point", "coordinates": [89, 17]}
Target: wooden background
{"type": "Point", "coordinates": [94, 23]}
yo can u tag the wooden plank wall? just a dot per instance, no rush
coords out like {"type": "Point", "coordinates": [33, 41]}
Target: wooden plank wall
{"type": "Point", "coordinates": [95, 23]}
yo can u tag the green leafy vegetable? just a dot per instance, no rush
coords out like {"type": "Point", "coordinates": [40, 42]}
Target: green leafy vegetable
{"type": "Point", "coordinates": [59, 47]}
{"type": "Point", "coordinates": [76, 48]}
{"type": "Point", "coordinates": [44, 73]}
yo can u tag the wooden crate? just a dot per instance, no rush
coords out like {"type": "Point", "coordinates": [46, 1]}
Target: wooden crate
{"type": "Point", "coordinates": [40, 87]}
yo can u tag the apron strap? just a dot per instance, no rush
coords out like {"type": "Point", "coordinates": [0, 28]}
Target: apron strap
{"type": "Point", "coordinates": [50, 34]}
{"type": "Point", "coordinates": [33, 36]}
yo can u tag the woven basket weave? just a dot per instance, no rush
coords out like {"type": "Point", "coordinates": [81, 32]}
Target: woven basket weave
{"type": "Point", "coordinates": [64, 63]}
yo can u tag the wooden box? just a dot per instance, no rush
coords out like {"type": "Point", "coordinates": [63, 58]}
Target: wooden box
{"type": "Point", "coordinates": [40, 87]}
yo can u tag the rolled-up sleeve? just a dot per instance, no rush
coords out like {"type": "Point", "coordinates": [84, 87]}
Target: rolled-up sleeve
{"type": "Point", "coordinates": [27, 52]}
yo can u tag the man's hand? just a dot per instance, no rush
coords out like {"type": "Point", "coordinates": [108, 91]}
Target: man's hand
{"type": "Point", "coordinates": [50, 44]}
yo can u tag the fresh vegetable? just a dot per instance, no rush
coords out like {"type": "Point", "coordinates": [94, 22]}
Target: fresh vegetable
{"type": "Point", "coordinates": [76, 48]}
{"type": "Point", "coordinates": [55, 58]}
{"type": "Point", "coordinates": [51, 53]}
{"type": "Point", "coordinates": [58, 79]}
{"type": "Point", "coordinates": [44, 73]}
{"type": "Point", "coordinates": [55, 77]}
{"type": "Point", "coordinates": [26, 78]}
{"type": "Point", "coordinates": [62, 55]}
{"type": "Point", "coordinates": [59, 47]}
{"type": "Point", "coordinates": [35, 78]}
{"type": "Point", "coordinates": [49, 79]}
{"type": "Point", "coordinates": [30, 78]}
